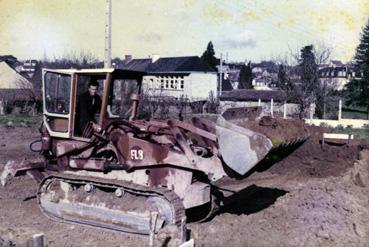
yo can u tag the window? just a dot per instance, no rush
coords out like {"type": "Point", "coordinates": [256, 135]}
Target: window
{"type": "Point", "coordinates": [171, 82]}
{"type": "Point", "coordinates": [120, 97]}
{"type": "Point", "coordinates": [175, 82]}
{"type": "Point", "coordinates": [57, 93]}
{"type": "Point", "coordinates": [166, 82]}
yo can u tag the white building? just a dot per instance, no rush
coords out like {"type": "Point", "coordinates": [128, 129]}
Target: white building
{"type": "Point", "coordinates": [336, 77]}
{"type": "Point", "coordinates": [177, 77]}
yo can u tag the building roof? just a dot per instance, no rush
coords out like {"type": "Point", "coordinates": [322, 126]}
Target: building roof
{"type": "Point", "coordinates": [137, 64]}
{"type": "Point", "coordinates": [10, 79]}
{"type": "Point", "coordinates": [169, 64]}
{"type": "Point", "coordinates": [253, 95]}
{"type": "Point", "coordinates": [337, 63]}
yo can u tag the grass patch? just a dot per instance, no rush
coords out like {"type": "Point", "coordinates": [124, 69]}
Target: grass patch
{"type": "Point", "coordinates": [354, 113]}
{"type": "Point", "coordinates": [20, 120]}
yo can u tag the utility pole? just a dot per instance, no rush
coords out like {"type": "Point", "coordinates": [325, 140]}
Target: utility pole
{"type": "Point", "coordinates": [221, 75]}
{"type": "Point", "coordinates": [107, 61]}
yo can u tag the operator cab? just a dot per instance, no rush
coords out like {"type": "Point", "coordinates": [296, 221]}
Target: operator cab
{"type": "Point", "coordinates": [63, 91]}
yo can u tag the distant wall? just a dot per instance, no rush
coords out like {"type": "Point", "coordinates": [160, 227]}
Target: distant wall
{"type": "Point", "coordinates": [355, 123]}
{"type": "Point", "coordinates": [278, 107]}
{"type": "Point", "coordinates": [195, 86]}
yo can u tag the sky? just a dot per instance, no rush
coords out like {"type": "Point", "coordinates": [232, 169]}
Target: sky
{"type": "Point", "coordinates": [239, 29]}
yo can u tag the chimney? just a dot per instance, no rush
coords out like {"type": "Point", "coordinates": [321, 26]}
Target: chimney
{"type": "Point", "coordinates": [127, 58]}
{"type": "Point", "coordinates": [155, 57]}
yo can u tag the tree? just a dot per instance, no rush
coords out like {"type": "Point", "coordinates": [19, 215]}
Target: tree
{"type": "Point", "coordinates": [283, 80]}
{"type": "Point", "coordinates": [36, 79]}
{"type": "Point", "coordinates": [305, 92]}
{"type": "Point", "coordinates": [357, 90]}
{"type": "Point", "coordinates": [301, 82]}
{"type": "Point", "coordinates": [81, 60]}
{"type": "Point", "coordinates": [209, 56]}
{"type": "Point", "coordinates": [245, 78]}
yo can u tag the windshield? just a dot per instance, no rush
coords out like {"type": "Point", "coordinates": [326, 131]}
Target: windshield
{"type": "Point", "coordinates": [120, 97]}
{"type": "Point", "coordinates": [57, 93]}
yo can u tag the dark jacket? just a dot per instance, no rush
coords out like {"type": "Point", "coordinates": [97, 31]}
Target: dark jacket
{"type": "Point", "coordinates": [87, 107]}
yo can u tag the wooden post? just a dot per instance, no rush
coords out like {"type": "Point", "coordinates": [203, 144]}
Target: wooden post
{"type": "Point", "coordinates": [183, 230]}
{"type": "Point", "coordinates": [339, 110]}
{"type": "Point", "coordinates": [259, 102]}
{"type": "Point", "coordinates": [271, 107]}
{"type": "Point", "coordinates": [285, 109]}
{"type": "Point", "coordinates": [1, 107]}
{"type": "Point", "coordinates": [311, 113]}
{"type": "Point", "coordinates": [153, 219]}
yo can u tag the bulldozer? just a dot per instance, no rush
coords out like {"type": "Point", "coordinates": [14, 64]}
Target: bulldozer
{"type": "Point", "coordinates": [119, 168]}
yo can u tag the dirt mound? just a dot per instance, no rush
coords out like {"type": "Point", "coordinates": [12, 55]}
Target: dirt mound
{"type": "Point", "coordinates": [279, 130]}
{"type": "Point", "coordinates": [312, 159]}
{"type": "Point", "coordinates": [316, 212]}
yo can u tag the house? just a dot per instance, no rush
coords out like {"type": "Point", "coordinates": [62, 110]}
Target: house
{"type": "Point", "coordinates": [262, 83]}
{"type": "Point", "coordinates": [13, 86]}
{"type": "Point", "coordinates": [336, 76]}
{"type": "Point", "coordinates": [27, 68]}
{"type": "Point", "coordinates": [264, 75]}
{"type": "Point", "coordinates": [177, 77]}
{"type": "Point", "coordinates": [231, 75]}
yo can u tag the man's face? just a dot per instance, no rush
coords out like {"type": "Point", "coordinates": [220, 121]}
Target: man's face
{"type": "Point", "coordinates": [92, 90]}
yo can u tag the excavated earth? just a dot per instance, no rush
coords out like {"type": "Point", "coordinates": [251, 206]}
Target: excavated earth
{"type": "Point", "coordinates": [312, 196]}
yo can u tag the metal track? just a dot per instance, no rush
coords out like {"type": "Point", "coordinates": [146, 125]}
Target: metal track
{"type": "Point", "coordinates": [117, 219]}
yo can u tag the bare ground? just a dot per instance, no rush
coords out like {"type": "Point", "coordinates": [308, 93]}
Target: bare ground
{"type": "Point", "coordinates": [314, 197]}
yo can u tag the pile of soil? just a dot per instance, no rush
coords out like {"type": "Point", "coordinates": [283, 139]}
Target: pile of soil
{"type": "Point", "coordinates": [312, 159]}
{"type": "Point", "coordinates": [278, 130]}
{"type": "Point", "coordinates": [329, 211]}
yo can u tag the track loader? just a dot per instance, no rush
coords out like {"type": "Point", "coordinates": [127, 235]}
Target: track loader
{"type": "Point", "coordinates": [119, 169]}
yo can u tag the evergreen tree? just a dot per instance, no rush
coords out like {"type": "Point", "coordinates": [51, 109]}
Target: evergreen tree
{"type": "Point", "coordinates": [309, 85]}
{"type": "Point", "coordinates": [283, 80]}
{"type": "Point", "coordinates": [245, 78]}
{"type": "Point", "coordinates": [209, 56]}
{"type": "Point", "coordinates": [308, 69]}
{"type": "Point", "coordinates": [357, 90]}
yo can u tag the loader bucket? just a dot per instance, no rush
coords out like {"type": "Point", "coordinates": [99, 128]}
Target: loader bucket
{"type": "Point", "coordinates": [245, 137]}
{"type": "Point", "coordinates": [241, 148]}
